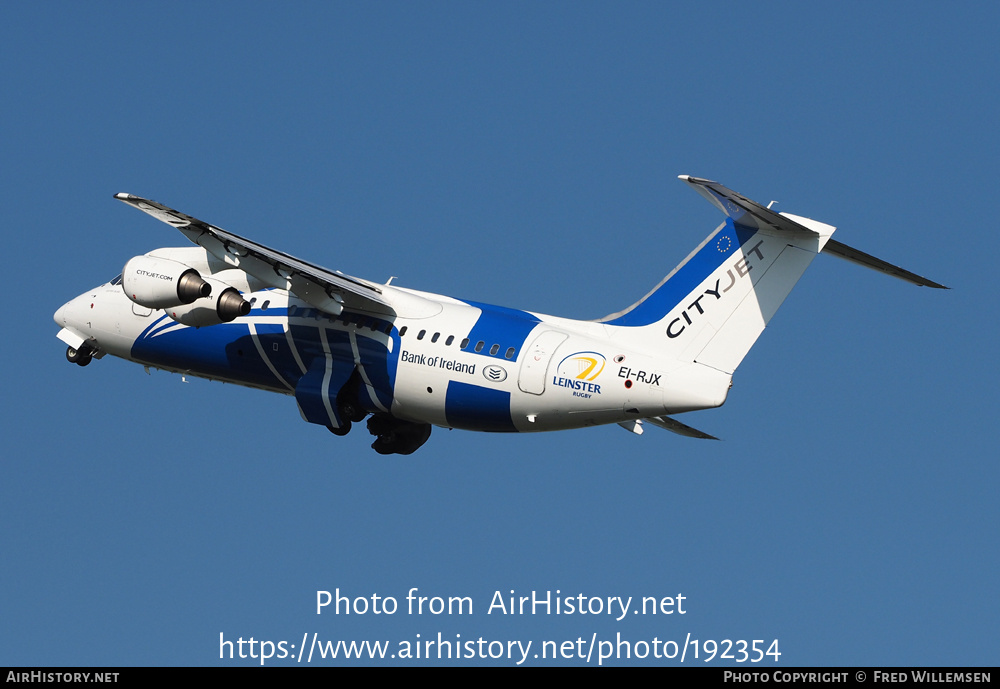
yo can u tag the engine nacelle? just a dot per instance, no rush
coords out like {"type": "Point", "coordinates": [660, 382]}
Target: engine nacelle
{"type": "Point", "coordinates": [224, 305]}
{"type": "Point", "coordinates": [159, 283]}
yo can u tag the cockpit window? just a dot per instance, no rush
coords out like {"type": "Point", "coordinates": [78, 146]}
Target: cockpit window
{"type": "Point", "coordinates": [117, 280]}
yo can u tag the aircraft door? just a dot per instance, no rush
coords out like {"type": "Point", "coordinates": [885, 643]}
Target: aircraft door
{"type": "Point", "coordinates": [531, 379]}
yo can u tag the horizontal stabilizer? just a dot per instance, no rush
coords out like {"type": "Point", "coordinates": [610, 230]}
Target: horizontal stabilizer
{"type": "Point", "coordinates": [677, 427]}
{"type": "Point", "coordinates": [749, 213]}
{"type": "Point", "coordinates": [742, 210]}
{"type": "Point", "coordinates": [861, 258]}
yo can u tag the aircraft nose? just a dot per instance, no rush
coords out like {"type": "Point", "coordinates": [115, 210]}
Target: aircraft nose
{"type": "Point", "coordinates": [61, 314]}
{"type": "Point", "coordinates": [69, 314]}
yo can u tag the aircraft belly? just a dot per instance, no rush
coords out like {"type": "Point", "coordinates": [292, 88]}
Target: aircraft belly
{"type": "Point", "coordinates": [229, 351]}
{"type": "Point", "coordinates": [533, 414]}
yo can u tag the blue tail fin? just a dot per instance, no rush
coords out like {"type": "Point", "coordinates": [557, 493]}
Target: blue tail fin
{"type": "Point", "coordinates": [715, 304]}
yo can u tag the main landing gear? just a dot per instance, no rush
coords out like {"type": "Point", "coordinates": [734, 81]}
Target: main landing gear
{"type": "Point", "coordinates": [80, 356]}
{"type": "Point", "coordinates": [392, 435]}
{"type": "Point", "coordinates": [349, 410]}
{"type": "Point", "coordinates": [395, 436]}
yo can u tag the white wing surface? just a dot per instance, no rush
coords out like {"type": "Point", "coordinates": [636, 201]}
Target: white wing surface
{"type": "Point", "coordinates": [327, 290]}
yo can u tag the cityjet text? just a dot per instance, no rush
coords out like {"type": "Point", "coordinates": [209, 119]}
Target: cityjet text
{"type": "Point", "coordinates": [695, 308]}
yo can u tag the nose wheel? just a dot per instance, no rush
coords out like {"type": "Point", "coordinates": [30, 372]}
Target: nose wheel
{"type": "Point", "coordinates": [80, 356]}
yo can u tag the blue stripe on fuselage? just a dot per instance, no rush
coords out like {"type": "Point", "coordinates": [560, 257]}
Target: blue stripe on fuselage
{"type": "Point", "coordinates": [218, 351]}
{"type": "Point", "coordinates": [501, 326]}
{"type": "Point", "coordinates": [476, 408]}
{"type": "Point", "coordinates": [227, 350]}
{"type": "Point", "coordinates": [275, 345]}
{"type": "Point", "coordinates": [720, 246]}
{"type": "Point", "coordinates": [158, 324]}
{"type": "Point", "coordinates": [314, 387]}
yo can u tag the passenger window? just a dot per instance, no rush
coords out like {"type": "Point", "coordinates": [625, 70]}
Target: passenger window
{"type": "Point", "coordinates": [447, 343]}
{"type": "Point", "coordinates": [479, 346]}
{"type": "Point", "coordinates": [435, 337]}
{"type": "Point", "coordinates": [465, 343]}
{"type": "Point", "coordinates": [494, 349]}
{"type": "Point", "coordinates": [402, 331]}
{"type": "Point", "coordinates": [388, 329]}
{"type": "Point", "coordinates": [263, 307]}
{"type": "Point", "coordinates": [509, 354]}
{"type": "Point", "coordinates": [421, 334]}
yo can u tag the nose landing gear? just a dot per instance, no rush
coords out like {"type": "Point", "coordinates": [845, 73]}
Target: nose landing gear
{"type": "Point", "coordinates": [81, 356]}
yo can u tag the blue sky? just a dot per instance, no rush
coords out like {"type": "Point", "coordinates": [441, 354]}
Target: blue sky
{"type": "Point", "coordinates": [523, 154]}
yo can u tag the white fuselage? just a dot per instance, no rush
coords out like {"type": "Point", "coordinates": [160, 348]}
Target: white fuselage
{"type": "Point", "coordinates": [349, 349]}
{"type": "Point", "coordinates": [517, 371]}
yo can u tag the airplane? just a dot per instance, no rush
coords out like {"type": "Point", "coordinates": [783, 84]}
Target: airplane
{"type": "Point", "coordinates": [230, 309]}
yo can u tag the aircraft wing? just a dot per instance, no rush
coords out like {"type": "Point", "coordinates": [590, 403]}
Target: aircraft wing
{"type": "Point", "coordinates": [327, 290]}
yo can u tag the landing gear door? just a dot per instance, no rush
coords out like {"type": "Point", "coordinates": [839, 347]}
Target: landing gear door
{"type": "Point", "coordinates": [531, 379]}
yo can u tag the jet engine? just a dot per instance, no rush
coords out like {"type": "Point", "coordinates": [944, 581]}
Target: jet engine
{"type": "Point", "coordinates": [159, 283]}
{"type": "Point", "coordinates": [224, 305]}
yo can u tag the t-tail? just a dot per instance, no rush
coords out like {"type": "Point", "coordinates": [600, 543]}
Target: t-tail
{"type": "Point", "coordinates": [712, 307]}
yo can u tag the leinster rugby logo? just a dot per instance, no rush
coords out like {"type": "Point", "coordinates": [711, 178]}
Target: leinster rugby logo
{"type": "Point", "coordinates": [582, 366]}
{"type": "Point", "coordinates": [494, 373]}
{"type": "Point", "coordinates": [578, 372]}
